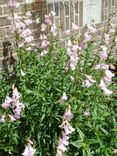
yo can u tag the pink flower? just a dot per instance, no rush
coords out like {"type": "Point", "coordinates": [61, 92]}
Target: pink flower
{"type": "Point", "coordinates": [91, 28]}
{"type": "Point", "coordinates": [15, 104]}
{"type": "Point", "coordinates": [28, 21]}
{"type": "Point", "coordinates": [109, 74]}
{"type": "Point", "coordinates": [3, 119]}
{"type": "Point", "coordinates": [68, 114]}
{"type": "Point", "coordinates": [111, 30]}
{"type": "Point", "coordinates": [43, 27]}
{"type": "Point", "coordinates": [54, 30]}
{"type": "Point", "coordinates": [20, 44]}
{"type": "Point", "coordinates": [83, 44]}
{"type": "Point", "coordinates": [38, 20]}
{"type": "Point", "coordinates": [8, 117]}
{"type": "Point", "coordinates": [22, 73]}
{"type": "Point", "coordinates": [16, 18]}
{"type": "Point", "coordinates": [107, 91]}
{"type": "Point", "coordinates": [20, 26]}
{"type": "Point", "coordinates": [44, 44]}
{"type": "Point", "coordinates": [59, 153]}
{"type": "Point", "coordinates": [87, 37]}
{"type": "Point", "coordinates": [17, 109]}
{"type": "Point", "coordinates": [72, 78]}
{"type": "Point", "coordinates": [68, 128]}
{"type": "Point", "coordinates": [90, 78]}
{"type": "Point", "coordinates": [106, 36]}
{"type": "Point", "coordinates": [28, 39]}
{"type": "Point", "coordinates": [63, 143]}
{"type": "Point", "coordinates": [7, 102]}
{"type": "Point", "coordinates": [69, 52]}
{"type": "Point", "coordinates": [53, 13]}
{"type": "Point", "coordinates": [67, 32]}
{"type": "Point", "coordinates": [107, 80]}
{"type": "Point", "coordinates": [72, 53]}
{"type": "Point", "coordinates": [86, 84]}
{"type": "Point", "coordinates": [64, 97]}
{"type": "Point", "coordinates": [28, 14]}
{"type": "Point", "coordinates": [104, 48]}
{"type": "Point", "coordinates": [13, 3]}
{"type": "Point", "coordinates": [101, 66]}
{"type": "Point", "coordinates": [25, 33]}
{"type": "Point", "coordinates": [75, 48]}
{"type": "Point", "coordinates": [103, 55]}
{"type": "Point", "coordinates": [48, 19]}
{"type": "Point", "coordinates": [74, 27]}
{"type": "Point", "coordinates": [72, 66]}
{"type": "Point", "coordinates": [43, 53]}
{"type": "Point", "coordinates": [89, 81]}
{"type": "Point", "coordinates": [10, 18]}
{"type": "Point", "coordinates": [43, 37]}
{"type": "Point", "coordinates": [17, 115]}
{"type": "Point", "coordinates": [102, 84]}
{"type": "Point", "coordinates": [112, 67]}
{"type": "Point", "coordinates": [12, 119]}
{"type": "Point", "coordinates": [86, 113]}
{"type": "Point", "coordinates": [112, 25]}
{"type": "Point", "coordinates": [29, 150]}
{"type": "Point", "coordinates": [69, 43]}
{"type": "Point", "coordinates": [73, 60]}
{"type": "Point", "coordinates": [62, 147]}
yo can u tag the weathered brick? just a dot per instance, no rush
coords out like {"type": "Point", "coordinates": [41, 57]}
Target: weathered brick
{"type": "Point", "coordinates": [11, 39]}
{"type": "Point", "coordinates": [30, 7]}
{"type": "Point", "coordinates": [4, 21]}
{"type": "Point", "coordinates": [0, 10]}
{"type": "Point", "coordinates": [3, 2]}
{"type": "Point", "coordinates": [22, 8]}
{"type": "Point", "coordinates": [0, 63]}
{"type": "Point", "coordinates": [1, 52]}
{"type": "Point", "coordinates": [8, 31]}
{"type": "Point", "coordinates": [34, 26]}
{"type": "Point", "coordinates": [2, 32]}
{"type": "Point", "coordinates": [26, 7]}
{"type": "Point", "coordinates": [6, 1]}
{"type": "Point", "coordinates": [36, 34]}
{"type": "Point", "coordinates": [1, 43]}
{"type": "Point", "coordinates": [7, 10]}
{"type": "Point", "coordinates": [41, 7]}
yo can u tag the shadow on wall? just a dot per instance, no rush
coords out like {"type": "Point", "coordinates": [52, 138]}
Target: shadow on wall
{"type": "Point", "coordinates": [8, 60]}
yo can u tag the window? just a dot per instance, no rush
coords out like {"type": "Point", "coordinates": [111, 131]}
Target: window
{"type": "Point", "coordinates": [56, 9]}
{"type": "Point", "coordinates": [28, 1]}
{"type": "Point", "coordinates": [113, 2]}
{"type": "Point", "coordinates": [105, 3]}
{"type": "Point", "coordinates": [76, 8]}
{"type": "Point", "coordinates": [66, 8]}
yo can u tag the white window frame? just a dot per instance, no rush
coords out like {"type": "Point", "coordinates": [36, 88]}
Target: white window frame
{"type": "Point", "coordinates": [29, 1]}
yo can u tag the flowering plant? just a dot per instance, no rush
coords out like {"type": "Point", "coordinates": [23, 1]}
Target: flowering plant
{"type": "Point", "coordinates": [68, 94]}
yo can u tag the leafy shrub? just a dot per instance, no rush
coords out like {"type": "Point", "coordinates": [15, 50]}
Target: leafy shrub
{"type": "Point", "coordinates": [52, 79]}
{"type": "Point", "coordinates": [41, 87]}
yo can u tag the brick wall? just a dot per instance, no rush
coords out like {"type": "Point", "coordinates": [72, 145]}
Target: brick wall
{"type": "Point", "coordinates": [37, 8]}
